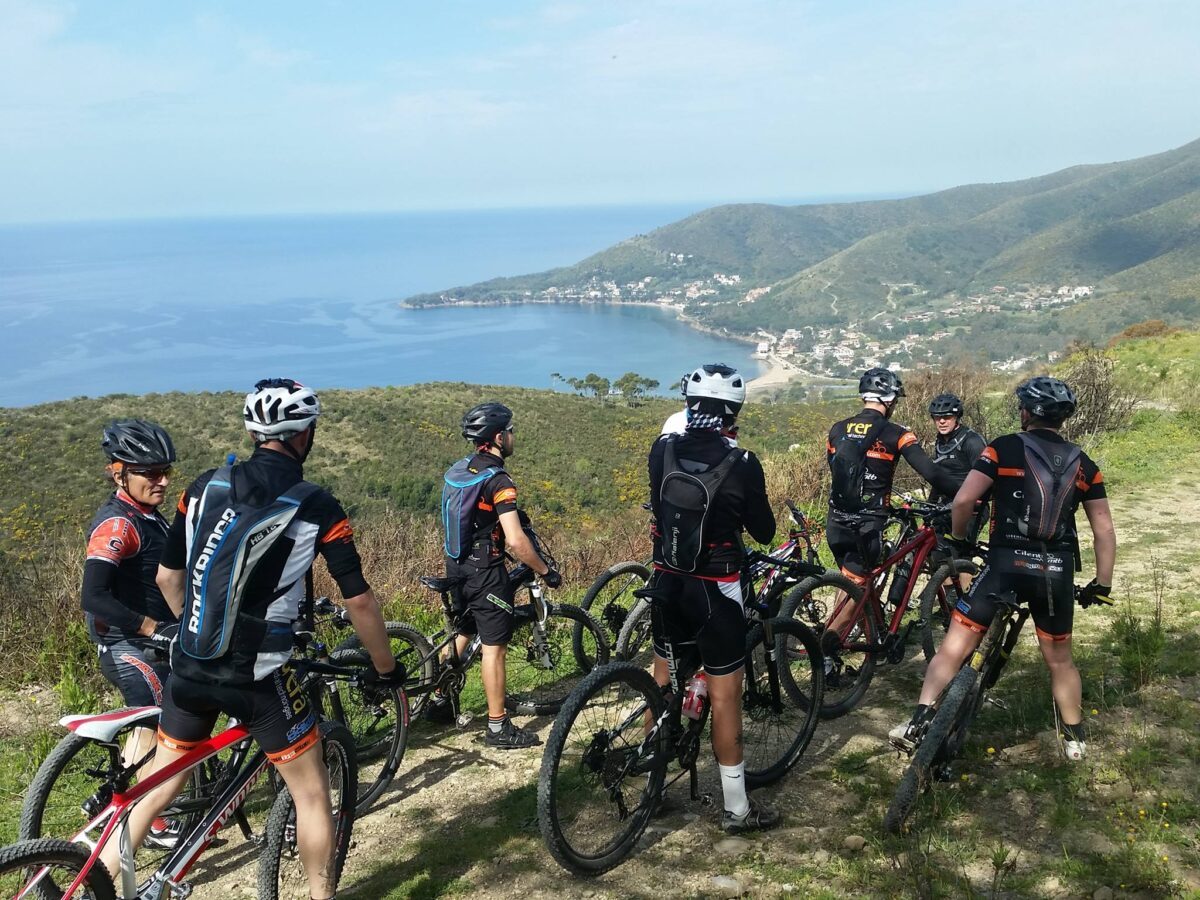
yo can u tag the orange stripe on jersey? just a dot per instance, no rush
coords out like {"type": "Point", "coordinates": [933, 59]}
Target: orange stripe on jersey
{"type": "Point", "coordinates": [989, 453]}
{"type": "Point", "coordinates": [829, 447]}
{"type": "Point", "coordinates": [182, 504]}
{"type": "Point", "coordinates": [1099, 479]}
{"type": "Point", "coordinates": [339, 532]}
{"type": "Point", "coordinates": [877, 454]}
{"type": "Point", "coordinates": [113, 540]}
{"type": "Point", "coordinates": [505, 494]}
{"type": "Point", "coordinates": [485, 506]}
{"type": "Point", "coordinates": [905, 439]}
{"type": "Point", "coordinates": [1010, 472]}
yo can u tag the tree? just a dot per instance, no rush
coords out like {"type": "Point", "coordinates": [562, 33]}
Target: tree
{"type": "Point", "coordinates": [632, 386]}
{"type": "Point", "coordinates": [596, 384]}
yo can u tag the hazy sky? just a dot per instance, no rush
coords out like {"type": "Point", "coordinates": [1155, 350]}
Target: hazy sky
{"type": "Point", "coordinates": [115, 108]}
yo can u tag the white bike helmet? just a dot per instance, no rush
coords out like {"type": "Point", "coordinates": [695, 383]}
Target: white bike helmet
{"type": "Point", "coordinates": [716, 389]}
{"type": "Point", "coordinates": [280, 408]}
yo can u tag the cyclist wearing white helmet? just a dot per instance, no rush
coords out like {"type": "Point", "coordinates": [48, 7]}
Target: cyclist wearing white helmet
{"type": "Point", "coordinates": [246, 673]}
{"type": "Point", "coordinates": [698, 565]}
{"type": "Point", "coordinates": [676, 422]}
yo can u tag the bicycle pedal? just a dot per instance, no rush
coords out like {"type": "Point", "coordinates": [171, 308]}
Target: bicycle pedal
{"type": "Point", "coordinates": [181, 890]}
{"type": "Point", "coordinates": [462, 720]}
{"type": "Point", "coordinates": [999, 704]}
{"type": "Point", "coordinates": [705, 799]}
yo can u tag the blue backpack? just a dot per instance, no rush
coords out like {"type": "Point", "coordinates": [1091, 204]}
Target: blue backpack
{"type": "Point", "coordinates": [228, 542]}
{"type": "Point", "coordinates": [460, 496]}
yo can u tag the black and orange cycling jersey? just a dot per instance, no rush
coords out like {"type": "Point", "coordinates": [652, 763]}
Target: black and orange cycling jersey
{"type": "Point", "coordinates": [892, 441]}
{"type": "Point", "coordinates": [1003, 461]}
{"type": "Point", "coordinates": [497, 496]}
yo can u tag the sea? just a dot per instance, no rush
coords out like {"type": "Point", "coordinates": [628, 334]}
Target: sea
{"type": "Point", "coordinates": [95, 308]}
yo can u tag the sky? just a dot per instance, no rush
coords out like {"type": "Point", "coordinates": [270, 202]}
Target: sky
{"type": "Point", "coordinates": [144, 108]}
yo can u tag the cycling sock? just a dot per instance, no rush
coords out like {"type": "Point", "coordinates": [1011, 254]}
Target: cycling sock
{"type": "Point", "coordinates": [1074, 732]}
{"type": "Point", "coordinates": [733, 788]}
{"type": "Point", "coordinates": [495, 726]}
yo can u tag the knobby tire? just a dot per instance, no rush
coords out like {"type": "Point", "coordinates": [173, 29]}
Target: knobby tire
{"type": "Point", "coordinates": [413, 650]}
{"type": "Point", "coordinates": [535, 690]}
{"type": "Point", "coordinates": [616, 586]}
{"type": "Point", "coordinates": [634, 643]}
{"type": "Point", "coordinates": [20, 862]}
{"type": "Point", "coordinates": [938, 602]}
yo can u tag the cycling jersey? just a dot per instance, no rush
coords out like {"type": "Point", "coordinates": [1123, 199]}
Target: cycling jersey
{"type": "Point", "coordinates": [125, 542]}
{"type": "Point", "coordinates": [892, 441]}
{"type": "Point", "coordinates": [262, 638]}
{"type": "Point", "coordinates": [1003, 461]}
{"type": "Point", "coordinates": [484, 593]}
{"type": "Point", "coordinates": [955, 453]}
{"type": "Point", "coordinates": [740, 504]}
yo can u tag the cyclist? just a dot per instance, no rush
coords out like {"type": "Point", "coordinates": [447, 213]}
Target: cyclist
{"type": "Point", "coordinates": [1037, 572]}
{"type": "Point", "coordinates": [124, 608]}
{"type": "Point", "coordinates": [857, 512]}
{"type": "Point", "coordinates": [957, 446]}
{"type": "Point", "coordinates": [676, 422]}
{"type": "Point", "coordinates": [704, 606]}
{"type": "Point", "coordinates": [492, 523]}
{"type": "Point", "coordinates": [252, 680]}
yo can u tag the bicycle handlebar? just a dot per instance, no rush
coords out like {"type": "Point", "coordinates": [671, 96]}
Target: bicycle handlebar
{"type": "Point", "coordinates": [799, 568]}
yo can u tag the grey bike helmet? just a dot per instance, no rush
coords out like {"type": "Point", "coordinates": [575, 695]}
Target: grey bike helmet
{"type": "Point", "coordinates": [138, 442]}
{"type": "Point", "coordinates": [1046, 398]}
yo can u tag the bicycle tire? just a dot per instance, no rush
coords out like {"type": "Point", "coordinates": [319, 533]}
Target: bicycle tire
{"type": "Point", "coordinates": [378, 722]}
{"type": "Point", "coordinates": [279, 863]}
{"type": "Point", "coordinates": [19, 860]}
{"type": "Point", "coordinates": [634, 643]}
{"type": "Point", "coordinates": [413, 650]}
{"type": "Point", "coordinates": [53, 803]}
{"type": "Point", "coordinates": [841, 691]}
{"type": "Point", "coordinates": [536, 688]}
{"type": "Point", "coordinates": [935, 606]}
{"type": "Point", "coordinates": [582, 775]}
{"type": "Point", "coordinates": [918, 775]}
{"type": "Point", "coordinates": [615, 586]}
{"type": "Point", "coordinates": [777, 730]}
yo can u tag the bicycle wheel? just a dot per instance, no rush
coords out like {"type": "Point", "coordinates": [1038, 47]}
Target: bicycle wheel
{"type": "Point", "coordinates": [280, 873]}
{"type": "Point", "coordinates": [635, 643]}
{"type": "Point", "coordinates": [610, 598]}
{"type": "Point", "coordinates": [413, 650]}
{"type": "Point", "coordinates": [776, 731]}
{"type": "Point", "coordinates": [937, 602]}
{"type": "Point", "coordinates": [954, 704]}
{"type": "Point", "coordinates": [542, 665]}
{"type": "Point", "coordinates": [377, 720]}
{"type": "Point", "coordinates": [62, 860]}
{"type": "Point", "coordinates": [849, 672]}
{"type": "Point", "coordinates": [598, 784]}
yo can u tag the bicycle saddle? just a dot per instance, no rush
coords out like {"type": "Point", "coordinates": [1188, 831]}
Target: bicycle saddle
{"type": "Point", "coordinates": [652, 593]}
{"type": "Point", "coordinates": [106, 726]}
{"type": "Point", "coordinates": [441, 585]}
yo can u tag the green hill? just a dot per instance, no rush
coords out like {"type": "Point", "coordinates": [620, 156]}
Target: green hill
{"type": "Point", "coordinates": [1128, 231]}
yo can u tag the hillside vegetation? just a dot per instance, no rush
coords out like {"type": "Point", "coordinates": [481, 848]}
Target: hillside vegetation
{"type": "Point", "coordinates": [1130, 230]}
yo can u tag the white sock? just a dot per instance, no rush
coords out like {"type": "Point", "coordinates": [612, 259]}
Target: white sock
{"type": "Point", "coordinates": [733, 788]}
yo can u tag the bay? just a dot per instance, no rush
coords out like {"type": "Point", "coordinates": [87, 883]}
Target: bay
{"type": "Point", "coordinates": [132, 307]}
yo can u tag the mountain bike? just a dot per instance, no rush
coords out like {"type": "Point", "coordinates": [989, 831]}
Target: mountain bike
{"type": "Point", "coordinates": [56, 868]}
{"type": "Point", "coordinates": [544, 660]}
{"type": "Point", "coordinates": [871, 629]}
{"type": "Point", "coordinates": [610, 598]}
{"type": "Point", "coordinates": [604, 769]}
{"type": "Point", "coordinates": [941, 739]}
{"type": "Point", "coordinates": [69, 786]}
{"type": "Point", "coordinates": [767, 577]}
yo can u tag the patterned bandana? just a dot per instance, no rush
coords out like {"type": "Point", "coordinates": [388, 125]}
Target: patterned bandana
{"type": "Point", "coordinates": [698, 421]}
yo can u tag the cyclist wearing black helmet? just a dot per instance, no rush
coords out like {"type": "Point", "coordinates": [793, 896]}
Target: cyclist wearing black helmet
{"type": "Point", "coordinates": [125, 609]}
{"type": "Point", "coordinates": [492, 522]}
{"type": "Point", "coordinates": [1037, 480]}
{"type": "Point", "coordinates": [698, 566]}
{"type": "Point", "coordinates": [955, 448]}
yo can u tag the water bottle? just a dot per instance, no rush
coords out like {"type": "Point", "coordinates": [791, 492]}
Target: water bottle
{"type": "Point", "coordinates": [695, 693]}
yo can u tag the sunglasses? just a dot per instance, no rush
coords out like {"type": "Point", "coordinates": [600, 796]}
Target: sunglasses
{"type": "Point", "coordinates": [944, 418]}
{"type": "Point", "coordinates": [150, 474]}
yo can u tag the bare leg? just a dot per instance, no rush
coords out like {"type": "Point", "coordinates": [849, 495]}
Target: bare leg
{"type": "Point", "coordinates": [494, 678]}
{"type": "Point", "coordinates": [147, 809]}
{"type": "Point", "coordinates": [1065, 683]}
{"type": "Point", "coordinates": [308, 782]}
{"type": "Point", "coordinates": [958, 644]}
{"type": "Point", "coordinates": [139, 743]}
{"type": "Point", "coordinates": [725, 695]}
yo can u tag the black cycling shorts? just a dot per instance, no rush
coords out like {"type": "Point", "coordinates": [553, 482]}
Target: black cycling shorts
{"type": "Point", "coordinates": [275, 709]}
{"type": "Point", "coordinates": [856, 547]}
{"type": "Point", "coordinates": [978, 608]}
{"type": "Point", "coordinates": [139, 680]}
{"type": "Point", "coordinates": [487, 598]}
{"type": "Point", "coordinates": [705, 614]}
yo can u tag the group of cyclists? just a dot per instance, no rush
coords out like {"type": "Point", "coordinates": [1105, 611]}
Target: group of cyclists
{"type": "Point", "coordinates": [221, 584]}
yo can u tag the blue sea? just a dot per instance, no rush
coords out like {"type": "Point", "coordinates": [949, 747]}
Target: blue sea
{"type": "Point", "coordinates": [214, 304]}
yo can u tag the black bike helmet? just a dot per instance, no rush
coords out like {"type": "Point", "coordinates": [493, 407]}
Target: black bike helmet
{"type": "Point", "coordinates": [1046, 398]}
{"type": "Point", "coordinates": [946, 405]}
{"type": "Point", "coordinates": [138, 443]}
{"type": "Point", "coordinates": [483, 422]}
{"type": "Point", "coordinates": [880, 385]}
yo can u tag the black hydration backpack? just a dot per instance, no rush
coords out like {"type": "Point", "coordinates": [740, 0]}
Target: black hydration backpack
{"type": "Point", "coordinates": [1050, 473]}
{"type": "Point", "coordinates": [684, 499]}
{"type": "Point", "coordinates": [460, 495]}
{"type": "Point", "coordinates": [229, 541]}
{"type": "Point", "coordinates": [848, 468]}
